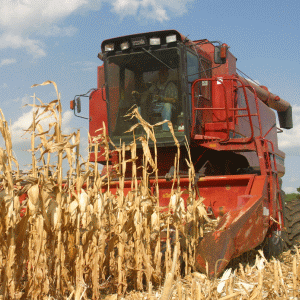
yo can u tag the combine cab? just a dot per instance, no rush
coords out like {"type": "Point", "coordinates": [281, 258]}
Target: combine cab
{"type": "Point", "coordinates": [228, 121]}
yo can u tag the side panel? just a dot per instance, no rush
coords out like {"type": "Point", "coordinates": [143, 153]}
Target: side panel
{"type": "Point", "coordinates": [239, 230]}
{"type": "Point", "coordinates": [222, 97]}
{"type": "Point", "coordinates": [267, 115]}
{"type": "Point", "coordinates": [228, 68]}
{"type": "Point", "coordinates": [100, 77]}
{"type": "Point", "coordinates": [98, 115]}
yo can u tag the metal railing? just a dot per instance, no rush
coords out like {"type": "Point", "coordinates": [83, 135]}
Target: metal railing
{"type": "Point", "coordinates": [228, 110]}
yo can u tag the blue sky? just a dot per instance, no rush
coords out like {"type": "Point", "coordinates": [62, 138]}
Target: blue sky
{"type": "Point", "coordinates": [59, 41]}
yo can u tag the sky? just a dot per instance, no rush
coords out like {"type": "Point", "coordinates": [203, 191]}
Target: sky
{"type": "Point", "coordinates": [59, 40]}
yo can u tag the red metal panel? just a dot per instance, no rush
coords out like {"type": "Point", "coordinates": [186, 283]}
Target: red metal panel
{"type": "Point", "coordinates": [228, 68]}
{"type": "Point", "coordinates": [98, 111]}
{"type": "Point", "coordinates": [232, 236]}
{"type": "Point", "coordinates": [98, 115]}
{"type": "Point", "coordinates": [100, 77]}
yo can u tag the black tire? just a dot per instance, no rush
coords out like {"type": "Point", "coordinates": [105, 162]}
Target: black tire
{"type": "Point", "coordinates": [277, 243]}
{"type": "Point", "coordinates": [292, 223]}
{"type": "Point", "coordinates": [274, 245]}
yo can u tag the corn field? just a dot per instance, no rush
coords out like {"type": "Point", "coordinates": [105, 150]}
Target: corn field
{"type": "Point", "coordinates": [73, 238]}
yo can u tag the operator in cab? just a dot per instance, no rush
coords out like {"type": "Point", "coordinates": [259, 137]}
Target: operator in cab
{"type": "Point", "coordinates": [161, 97]}
{"type": "Point", "coordinates": [165, 96]}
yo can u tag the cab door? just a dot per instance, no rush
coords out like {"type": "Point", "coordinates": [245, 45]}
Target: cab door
{"type": "Point", "coordinates": [191, 66]}
{"type": "Point", "coordinates": [198, 67]}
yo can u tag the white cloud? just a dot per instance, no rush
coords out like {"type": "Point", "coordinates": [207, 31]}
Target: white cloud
{"type": "Point", "coordinates": [7, 61]}
{"type": "Point", "coordinates": [20, 16]}
{"type": "Point", "coordinates": [54, 30]}
{"type": "Point", "coordinates": [13, 41]}
{"type": "Point", "coordinates": [289, 140]}
{"type": "Point", "coordinates": [126, 7]}
{"type": "Point", "coordinates": [23, 15]}
{"type": "Point", "coordinates": [24, 122]}
{"type": "Point", "coordinates": [294, 179]}
{"type": "Point", "coordinates": [21, 142]}
{"type": "Point", "coordinates": [83, 146]}
{"type": "Point", "coordinates": [22, 20]}
{"type": "Point", "coordinates": [66, 120]}
{"type": "Point", "coordinates": [158, 10]}
{"type": "Point", "coordinates": [290, 190]}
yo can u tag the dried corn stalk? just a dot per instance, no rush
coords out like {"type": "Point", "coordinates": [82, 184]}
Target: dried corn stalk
{"type": "Point", "coordinates": [78, 239]}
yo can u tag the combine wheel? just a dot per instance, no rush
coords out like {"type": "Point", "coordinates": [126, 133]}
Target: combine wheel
{"type": "Point", "coordinates": [292, 223]}
{"type": "Point", "coordinates": [277, 243]}
{"type": "Point", "coordinates": [274, 245]}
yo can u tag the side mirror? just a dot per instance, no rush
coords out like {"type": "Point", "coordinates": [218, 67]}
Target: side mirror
{"type": "Point", "coordinates": [220, 54]}
{"type": "Point", "coordinates": [78, 104]}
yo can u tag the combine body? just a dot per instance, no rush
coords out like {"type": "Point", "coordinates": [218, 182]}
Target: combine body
{"type": "Point", "coordinates": [229, 123]}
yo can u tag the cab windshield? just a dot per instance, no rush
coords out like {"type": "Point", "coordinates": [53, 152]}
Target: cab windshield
{"type": "Point", "coordinates": [150, 82]}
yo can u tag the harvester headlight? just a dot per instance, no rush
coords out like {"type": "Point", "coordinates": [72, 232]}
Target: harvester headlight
{"type": "Point", "coordinates": [155, 41]}
{"type": "Point", "coordinates": [171, 38]}
{"type": "Point", "coordinates": [109, 47]}
{"type": "Point", "coordinates": [138, 41]}
{"type": "Point", "coordinates": [125, 46]}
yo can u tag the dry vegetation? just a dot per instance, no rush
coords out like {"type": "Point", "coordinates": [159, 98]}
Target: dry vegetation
{"type": "Point", "coordinates": [78, 240]}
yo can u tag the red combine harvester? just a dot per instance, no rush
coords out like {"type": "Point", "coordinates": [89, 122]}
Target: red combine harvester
{"type": "Point", "coordinates": [228, 122]}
